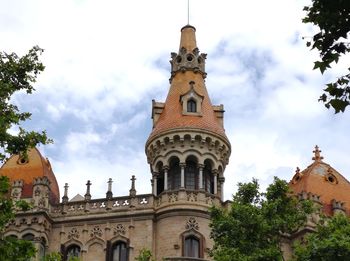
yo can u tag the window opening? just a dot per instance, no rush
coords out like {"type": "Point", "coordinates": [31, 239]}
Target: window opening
{"type": "Point", "coordinates": [72, 251]}
{"type": "Point", "coordinates": [120, 252]}
{"type": "Point", "coordinates": [191, 106]}
{"type": "Point", "coordinates": [191, 175]}
{"type": "Point", "coordinates": [191, 247]}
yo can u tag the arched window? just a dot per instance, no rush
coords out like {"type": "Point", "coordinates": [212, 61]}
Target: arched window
{"type": "Point", "coordinates": [160, 178]}
{"type": "Point", "coordinates": [191, 106]}
{"type": "Point", "coordinates": [191, 175]}
{"type": "Point", "coordinates": [29, 237]}
{"type": "Point", "coordinates": [72, 251]}
{"type": "Point", "coordinates": [208, 178]}
{"type": "Point", "coordinates": [192, 247]}
{"type": "Point", "coordinates": [119, 251]}
{"type": "Point", "coordinates": [174, 177]}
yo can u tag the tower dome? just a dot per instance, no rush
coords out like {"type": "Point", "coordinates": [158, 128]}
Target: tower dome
{"type": "Point", "coordinates": [26, 171]}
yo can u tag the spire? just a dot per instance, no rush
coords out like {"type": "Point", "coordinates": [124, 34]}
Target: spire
{"type": "Point", "coordinates": [188, 38]}
{"type": "Point", "coordinates": [317, 154]}
{"type": "Point", "coordinates": [188, 58]}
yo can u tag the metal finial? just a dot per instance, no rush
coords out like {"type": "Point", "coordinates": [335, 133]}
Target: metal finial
{"type": "Point", "coordinates": [188, 11]}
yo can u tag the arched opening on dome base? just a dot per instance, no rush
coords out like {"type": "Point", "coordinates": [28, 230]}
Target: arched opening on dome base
{"type": "Point", "coordinates": [160, 178]}
{"type": "Point", "coordinates": [191, 173]}
{"type": "Point", "coordinates": [208, 177]}
{"type": "Point", "coordinates": [174, 177]}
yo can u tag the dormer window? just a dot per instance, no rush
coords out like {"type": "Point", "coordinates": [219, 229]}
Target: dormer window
{"type": "Point", "coordinates": [191, 102]}
{"type": "Point", "coordinates": [191, 106]}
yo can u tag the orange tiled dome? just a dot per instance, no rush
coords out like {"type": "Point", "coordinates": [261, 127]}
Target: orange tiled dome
{"type": "Point", "coordinates": [322, 180]}
{"type": "Point", "coordinates": [26, 170]}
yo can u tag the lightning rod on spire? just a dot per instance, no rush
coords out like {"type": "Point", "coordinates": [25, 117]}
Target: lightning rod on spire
{"type": "Point", "coordinates": [188, 11]}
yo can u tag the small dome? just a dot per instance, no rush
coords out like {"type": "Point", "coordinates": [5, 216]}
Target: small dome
{"type": "Point", "coordinates": [16, 168]}
{"type": "Point", "coordinates": [322, 180]}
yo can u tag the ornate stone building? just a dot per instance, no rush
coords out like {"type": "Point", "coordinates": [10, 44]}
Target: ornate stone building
{"type": "Point", "coordinates": [187, 151]}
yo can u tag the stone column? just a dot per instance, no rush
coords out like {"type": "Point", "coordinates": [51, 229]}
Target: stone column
{"type": "Point", "coordinates": [215, 173]}
{"type": "Point", "coordinates": [182, 166]}
{"type": "Point", "coordinates": [221, 182]}
{"type": "Point", "coordinates": [200, 168]}
{"type": "Point", "coordinates": [165, 168]}
{"type": "Point", "coordinates": [155, 183]}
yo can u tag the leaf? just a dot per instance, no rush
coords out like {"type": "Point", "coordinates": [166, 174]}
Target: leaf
{"type": "Point", "coordinates": [338, 105]}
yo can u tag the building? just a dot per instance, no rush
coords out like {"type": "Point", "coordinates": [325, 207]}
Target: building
{"type": "Point", "coordinates": [187, 151]}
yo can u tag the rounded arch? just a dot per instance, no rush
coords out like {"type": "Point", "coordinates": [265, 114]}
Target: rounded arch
{"type": "Point", "coordinates": [191, 172]}
{"type": "Point", "coordinates": [174, 173]}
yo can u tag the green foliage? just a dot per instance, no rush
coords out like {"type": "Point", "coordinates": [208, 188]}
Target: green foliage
{"type": "Point", "coordinates": [18, 74]}
{"type": "Point", "coordinates": [54, 256]}
{"type": "Point", "coordinates": [332, 19]}
{"type": "Point", "coordinates": [12, 249]}
{"type": "Point", "coordinates": [144, 255]}
{"type": "Point", "coordinates": [331, 241]}
{"type": "Point", "coordinates": [251, 230]}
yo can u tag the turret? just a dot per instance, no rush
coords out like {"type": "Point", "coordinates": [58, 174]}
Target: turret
{"type": "Point", "coordinates": [188, 148]}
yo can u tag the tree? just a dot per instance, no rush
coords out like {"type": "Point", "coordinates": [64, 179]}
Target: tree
{"type": "Point", "coordinates": [16, 74]}
{"type": "Point", "coordinates": [252, 229]}
{"type": "Point", "coordinates": [333, 22]}
{"type": "Point", "coordinates": [144, 255]}
{"type": "Point", "coordinates": [330, 241]}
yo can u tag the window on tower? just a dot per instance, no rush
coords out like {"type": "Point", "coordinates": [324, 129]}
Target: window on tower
{"type": "Point", "coordinates": [191, 175]}
{"type": "Point", "coordinates": [174, 176]}
{"type": "Point", "coordinates": [191, 106]}
{"type": "Point", "coordinates": [191, 247]}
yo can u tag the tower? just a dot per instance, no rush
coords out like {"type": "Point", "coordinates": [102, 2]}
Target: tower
{"type": "Point", "coordinates": [187, 151]}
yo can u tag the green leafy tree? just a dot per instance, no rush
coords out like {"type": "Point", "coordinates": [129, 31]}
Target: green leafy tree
{"type": "Point", "coordinates": [17, 74]}
{"type": "Point", "coordinates": [54, 256]}
{"type": "Point", "coordinates": [253, 227]}
{"type": "Point", "coordinates": [330, 241]}
{"type": "Point", "coordinates": [333, 22]}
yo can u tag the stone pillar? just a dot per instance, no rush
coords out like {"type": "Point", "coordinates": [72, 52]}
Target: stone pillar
{"type": "Point", "coordinates": [221, 182]}
{"type": "Point", "coordinates": [215, 173]}
{"type": "Point", "coordinates": [200, 168]}
{"type": "Point", "coordinates": [182, 166]}
{"type": "Point", "coordinates": [166, 169]}
{"type": "Point", "coordinates": [65, 195]}
{"type": "Point", "coordinates": [109, 193]}
{"type": "Point", "coordinates": [87, 194]}
{"type": "Point", "coordinates": [17, 187]}
{"type": "Point", "coordinates": [155, 183]}
{"type": "Point", "coordinates": [132, 191]}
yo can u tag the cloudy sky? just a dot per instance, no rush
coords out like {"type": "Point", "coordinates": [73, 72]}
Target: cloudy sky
{"type": "Point", "coordinates": [106, 60]}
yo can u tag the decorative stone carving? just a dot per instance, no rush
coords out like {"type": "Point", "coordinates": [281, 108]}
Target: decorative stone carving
{"type": "Point", "coordinates": [172, 198]}
{"type": "Point", "coordinates": [96, 232]}
{"type": "Point", "coordinates": [119, 230]}
{"type": "Point", "coordinates": [73, 233]}
{"type": "Point", "coordinates": [192, 197]}
{"type": "Point", "coordinates": [192, 224]}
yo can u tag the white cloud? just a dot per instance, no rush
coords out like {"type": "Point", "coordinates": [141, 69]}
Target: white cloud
{"type": "Point", "coordinates": [105, 62]}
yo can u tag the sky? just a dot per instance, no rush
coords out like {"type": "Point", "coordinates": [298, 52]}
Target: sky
{"type": "Point", "coordinates": [106, 60]}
